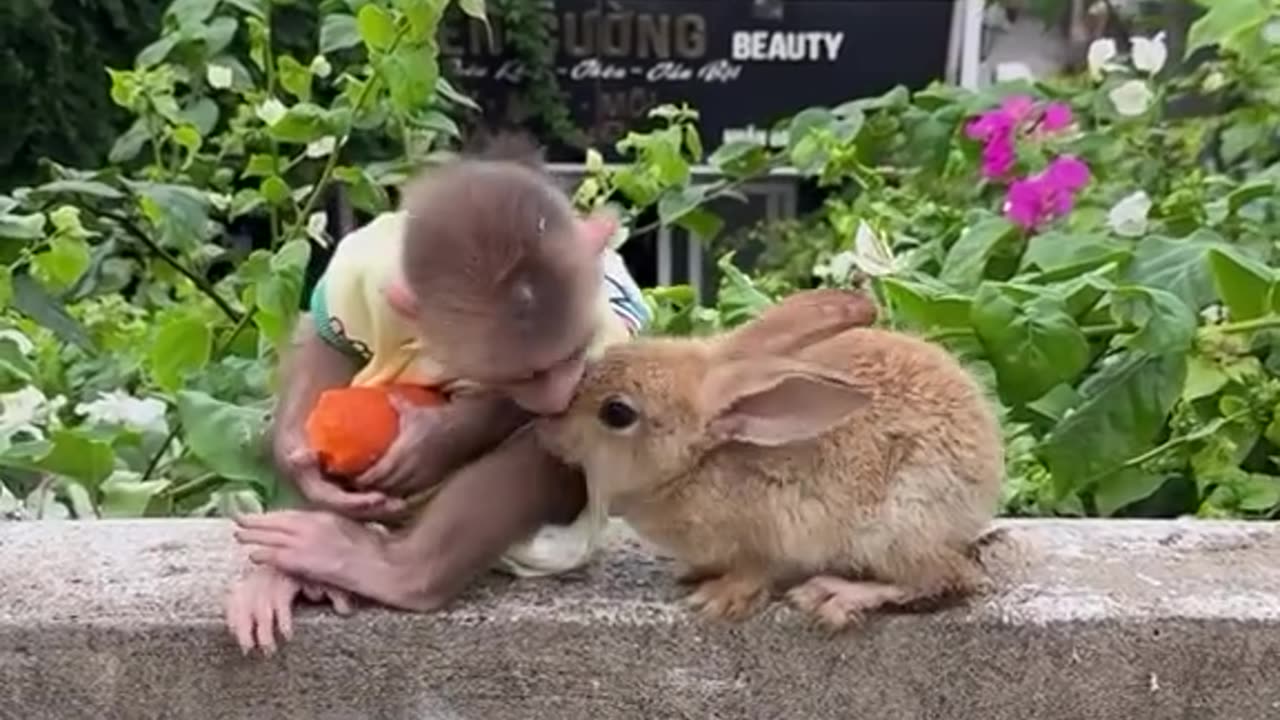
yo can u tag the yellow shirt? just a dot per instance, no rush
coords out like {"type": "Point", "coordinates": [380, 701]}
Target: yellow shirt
{"type": "Point", "coordinates": [352, 313]}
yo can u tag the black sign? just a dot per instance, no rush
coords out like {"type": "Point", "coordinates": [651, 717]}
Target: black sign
{"type": "Point", "coordinates": [743, 64]}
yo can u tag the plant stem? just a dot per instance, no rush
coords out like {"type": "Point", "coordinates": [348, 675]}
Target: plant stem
{"type": "Point", "coordinates": [1243, 326]}
{"type": "Point", "coordinates": [1172, 443]}
{"type": "Point", "coordinates": [269, 67]}
{"type": "Point", "coordinates": [202, 284]}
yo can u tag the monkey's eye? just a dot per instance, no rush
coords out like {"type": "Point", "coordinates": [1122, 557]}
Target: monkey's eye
{"type": "Point", "coordinates": [616, 414]}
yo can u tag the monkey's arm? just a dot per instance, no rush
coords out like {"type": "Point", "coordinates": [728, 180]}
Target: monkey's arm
{"type": "Point", "coordinates": [463, 531]}
{"type": "Point", "coordinates": [311, 367]}
{"type": "Point", "coordinates": [481, 511]}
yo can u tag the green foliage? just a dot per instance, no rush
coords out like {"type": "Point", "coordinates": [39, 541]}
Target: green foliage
{"type": "Point", "coordinates": [1132, 354]}
{"type": "Point", "coordinates": [138, 381]}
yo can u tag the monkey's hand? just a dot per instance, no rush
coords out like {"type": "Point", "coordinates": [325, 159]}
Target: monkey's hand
{"type": "Point", "coordinates": [434, 441]}
{"type": "Point", "coordinates": [297, 461]}
{"type": "Point", "coordinates": [261, 602]}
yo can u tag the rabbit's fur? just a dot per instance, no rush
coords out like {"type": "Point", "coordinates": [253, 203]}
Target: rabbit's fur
{"type": "Point", "coordinates": [856, 466]}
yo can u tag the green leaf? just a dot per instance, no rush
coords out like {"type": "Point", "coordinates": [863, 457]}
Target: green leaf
{"type": "Point", "coordinates": [1031, 341]}
{"type": "Point", "coordinates": [32, 300]}
{"type": "Point", "coordinates": [190, 12]}
{"type": "Point", "coordinates": [302, 123]}
{"type": "Point", "coordinates": [226, 438]}
{"type": "Point", "coordinates": [1225, 20]}
{"type": "Point", "coordinates": [294, 77]}
{"type": "Point", "coordinates": [275, 190]}
{"type": "Point", "coordinates": [179, 212]}
{"type": "Point", "coordinates": [1259, 493]}
{"type": "Point", "coordinates": [739, 299]}
{"type": "Point", "coordinates": [1244, 284]}
{"type": "Point", "coordinates": [78, 456]}
{"type": "Point", "coordinates": [63, 263]}
{"type": "Point", "coordinates": [438, 122]}
{"type": "Point", "coordinates": [338, 32]}
{"type": "Point", "coordinates": [1164, 323]}
{"type": "Point", "coordinates": [92, 188]}
{"type": "Point", "coordinates": [967, 259]}
{"type": "Point", "coordinates": [278, 293]}
{"type": "Point", "coordinates": [448, 92]}
{"type": "Point", "coordinates": [1124, 408]}
{"type": "Point", "coordinates": [474, 8]}
{"type": "Point", "coordinates": [188, 138]}
{"type": "Point", "coordinates": [740, 158]}
{"type": "Point", "coordinates": [218, 34]}
{"type": "Point", "coordinates": [13, 364]}
{"type": "Point", "coordinates": [260, 166]}
{"type": "Point", "coordinates": [923, 307]}
{"type": "Point", "coordinates": [1204, 378]}
{"type": "Point", "coordinates": [411, 75]}
{"type": "Point", "coordinates": [680, 201]}
{"type": "Point", "coordinates": [1246, 194]}
{"type": "Point", "coordinates": [1178, 266]}
{"type": "Point", "coordinates": [182, 345]}
{"type": "Point", "coordinates": [703, 223]}
{"type": "Point", "coordinates": [128, 145]}
{"type": "Point", "coordinates": [377, 29]}
{"type": "Point", "coordinates": [365, 194]}
{"type": "Point", "coordinates": [156, 52]}
{"type": "Point", "coordinates": [1062, 255]}
{"type": "Point", "coordinates": [256, 8]}
{"type": "Point", "coordinates": [22, 227]}
{"type": "Point", "coordinates": [125, 495]}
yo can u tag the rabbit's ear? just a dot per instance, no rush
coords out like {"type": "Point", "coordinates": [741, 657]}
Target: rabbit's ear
{"type": "Point", "coordinates": [775, 401]}
{"type": "Point", "coordinates": [798, 321]}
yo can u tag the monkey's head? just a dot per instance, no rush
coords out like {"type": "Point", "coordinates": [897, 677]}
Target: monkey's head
{"type": "Point", "coordinates": [502, 277]}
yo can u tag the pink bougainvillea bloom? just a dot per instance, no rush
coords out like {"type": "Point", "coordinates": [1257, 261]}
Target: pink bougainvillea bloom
{"type": "Point", "coordinates": [1018, 107]}
{"type": "Point", "coordinates": [990, 124]}
{"type": "Point", "coordinates": [1035, 200]}
{"type": "Point", "coordinates": [1057, 116]}
{"type": "Point", "coordinates": [997, 157]}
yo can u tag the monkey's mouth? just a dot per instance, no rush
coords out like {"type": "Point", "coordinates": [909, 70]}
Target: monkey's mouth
{"type": "Point", "coordinates": [551, 433]}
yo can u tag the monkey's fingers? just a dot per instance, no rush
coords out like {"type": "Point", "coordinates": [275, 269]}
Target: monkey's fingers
{"type": "Point", "coordinates": [266, 538]}
{"type": "Point", "coordinates": [341, 601]}
{"type": "Point", "coordinates": [324, 493]}
{"type": "Point", "coordinates": [263, 609]}
{"type": "Point", "coordinates": [283, 602]}
{"type": "Point", "coordinates": [238, 618]}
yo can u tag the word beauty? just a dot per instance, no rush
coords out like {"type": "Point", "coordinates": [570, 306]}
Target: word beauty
{"type": "Point", "coordinates": [772, 46]}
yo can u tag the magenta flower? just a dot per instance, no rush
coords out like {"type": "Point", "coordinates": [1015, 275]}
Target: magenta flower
{"type": "Point", "coordinates": [997, 157]}
{"type": "Point", "coordinates": [1056, 116]}
{"type": "Point", "coordinates": [1035, 200]}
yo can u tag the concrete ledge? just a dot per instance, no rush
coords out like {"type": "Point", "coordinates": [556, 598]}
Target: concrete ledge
{"type": "Point", "coordinates": [1098, 620]}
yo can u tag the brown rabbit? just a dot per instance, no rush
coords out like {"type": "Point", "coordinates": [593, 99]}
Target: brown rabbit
{"type": "Point", "coordinates": [855, 466]}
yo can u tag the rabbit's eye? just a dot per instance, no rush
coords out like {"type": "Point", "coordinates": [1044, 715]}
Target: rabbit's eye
{"type": "Point", "coordinates": [617, 414]}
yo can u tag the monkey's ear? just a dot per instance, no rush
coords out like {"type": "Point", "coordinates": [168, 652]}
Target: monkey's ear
{"type": "Point", "coordinates": [402, 300]}
{"type": "Point", "coordinates": [596, 229]}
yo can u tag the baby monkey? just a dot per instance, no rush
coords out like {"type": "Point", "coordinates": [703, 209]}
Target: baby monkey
{"type": "Point", "coordinates": [486, 286]}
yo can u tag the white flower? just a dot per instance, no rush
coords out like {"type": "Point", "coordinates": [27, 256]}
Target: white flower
{"type": "Point", "coordinates": [218, 76]}
{"type": "Point", "coordinates": [1101, 52]}
{"type": "Point", "coordinates": [871, 253]}
{"type": "Point", "coordinates": [1010, 71]}
{"type": "Point", "coordinates": [1149, 54]}
{"type": "Point", "coordinates": [1271, 33]}
{"type": "Point", "coordinates": [836, 268]}
{"type": "Point", "coordinates": [322, 147]}
{"type": "Point", "coordinates": [320, 67]}
{"type": "Point", "coordinates": [270, 111]}
{"type": "Point", "coordinates": [1214, 82]}
{"type": "Point", "coordinates": [25, 346]}
{"type": "Point", "coordinates": [21, 411]}
{"type": "Point", "coordinates": [1131, 98]}
{"type": "Point", "coordinates": [1129, 216]}
{"type": "Point", "coordinates": [316, 225]}
{"type": "Point", "coordinates": [120, 408]}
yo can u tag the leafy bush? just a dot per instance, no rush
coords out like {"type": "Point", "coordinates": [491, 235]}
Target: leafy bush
{"type": "Point", "coordinates": [1106, 268]}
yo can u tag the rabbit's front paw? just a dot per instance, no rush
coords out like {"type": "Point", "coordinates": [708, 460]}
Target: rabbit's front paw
{"type": "Point", "coordinates": [729, 597]}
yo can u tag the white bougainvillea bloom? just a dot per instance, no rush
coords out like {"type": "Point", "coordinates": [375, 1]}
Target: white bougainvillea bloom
{"type": "Point", "coordinates": [320, 67]}
{"type": "Point", "coordinates": [316, 225]}
{"type": "Point", "coordinates": [22, 411]}
{"type": "Point", "coordinates": [1131, 98]}
{"type": "Point", "coordinates": [1101, 52]}
{"type": "Point", "coordinates": [120, 408]}
{"type": "Point", "coordinates": [17, 337]}
{"type": "Point", "coordinates": [270, 111]}
{"type": "Point", "coordinates": [1149, 54]}
{"type": "Point", "coordinates": [1129, 216]}
{"type": "Point", "coordinates": [218, 76]}
{"type": "Point", "coordinates": [322, 147]}
{"type": "Point", "coordinates": [871, 253]}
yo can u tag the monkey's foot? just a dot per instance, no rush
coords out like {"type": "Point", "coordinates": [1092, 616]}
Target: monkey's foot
{"type": "Point", "coordinates": [729, 597]}
{"type": "Point", "coordinates": [838, 603]}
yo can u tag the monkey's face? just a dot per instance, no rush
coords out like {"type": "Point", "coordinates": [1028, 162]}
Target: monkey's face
{"type": "Point", "coordinates": [546, 390]}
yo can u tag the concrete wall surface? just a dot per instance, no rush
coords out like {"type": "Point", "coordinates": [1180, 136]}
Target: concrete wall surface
{"type": "Point", "coordinates": [1096, 620]}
